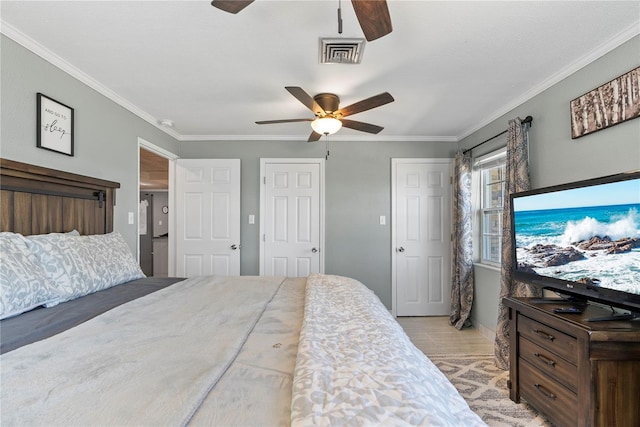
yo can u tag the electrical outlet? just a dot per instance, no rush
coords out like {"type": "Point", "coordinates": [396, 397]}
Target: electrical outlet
{"type": "Point", "coordinates": [132, 218]}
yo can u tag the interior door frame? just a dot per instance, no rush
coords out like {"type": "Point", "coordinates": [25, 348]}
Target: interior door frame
{"type": "Point", "coordinates": [263, 166]}
{"type": "Point", "coordinates": [146, 145]}
{"type": "Point", "coordinates": [394, 244]}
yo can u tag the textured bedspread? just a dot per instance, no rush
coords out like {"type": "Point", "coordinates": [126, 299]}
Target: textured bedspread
{"type": "Point", "coordinates": [42, 323]}
{"type": "Point", "coordinates": [143, 363]}
{"type": "Point", "coordinates": [256, 389]}
{"type": "Point", "coordinates": [356, 366]}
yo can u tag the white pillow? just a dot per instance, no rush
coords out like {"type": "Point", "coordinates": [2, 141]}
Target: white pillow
{"type": "Point", "coordinates": [24, 284]}
{"type": "Point", "coordinates": [80, 265]}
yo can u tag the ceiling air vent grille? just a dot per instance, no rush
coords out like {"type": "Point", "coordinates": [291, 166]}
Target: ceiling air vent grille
{"type": "Point", "coordinates": [341, 51]}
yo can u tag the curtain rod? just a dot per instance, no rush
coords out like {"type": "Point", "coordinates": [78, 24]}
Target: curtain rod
{"type": "Point", "coordinates": [526, 120]}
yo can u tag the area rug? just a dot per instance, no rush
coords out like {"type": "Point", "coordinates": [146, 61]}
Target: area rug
{"type": "Point", "coordinates": [484, 387]}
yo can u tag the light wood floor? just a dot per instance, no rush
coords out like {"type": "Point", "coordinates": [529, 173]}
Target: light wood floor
{"type": "Point", "coordinates": [434, 335]}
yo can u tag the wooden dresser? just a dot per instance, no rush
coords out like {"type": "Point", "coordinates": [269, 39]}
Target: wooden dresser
{"type": "Point", "coordinates": [576, 373]}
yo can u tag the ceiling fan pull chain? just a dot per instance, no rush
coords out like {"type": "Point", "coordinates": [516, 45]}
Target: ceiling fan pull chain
{"type": "Point", "coordinates": [339, 16]}
{"type": "Point", "coordinates": [326, 157]}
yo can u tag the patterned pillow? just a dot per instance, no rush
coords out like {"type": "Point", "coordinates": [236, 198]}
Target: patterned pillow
{"type": "Point", "coordinates": [80, 265]}
{"type": "Point", "coordinates": [24, 284]}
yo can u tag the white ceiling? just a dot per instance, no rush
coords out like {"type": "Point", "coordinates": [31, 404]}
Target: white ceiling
{"type": "Point", "coordinates": [452, 66]}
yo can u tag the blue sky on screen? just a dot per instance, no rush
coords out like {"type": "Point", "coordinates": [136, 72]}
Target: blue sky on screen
{"type": "Point", "coordinates": [616, 193]}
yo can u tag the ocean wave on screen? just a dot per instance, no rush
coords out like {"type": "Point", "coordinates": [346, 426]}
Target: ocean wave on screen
{"type": "Point", "coordinates": [527, 241]}
{"type": "Point", "coordinates": [620, 271]}
{"type": "Point", "coordinates": [620, 227]}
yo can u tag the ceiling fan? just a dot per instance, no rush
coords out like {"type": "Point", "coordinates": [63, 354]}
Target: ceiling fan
{"type": "Point", "coordinates": [329, 117]}
{"type": "Point", "coordinates": [373, 15]}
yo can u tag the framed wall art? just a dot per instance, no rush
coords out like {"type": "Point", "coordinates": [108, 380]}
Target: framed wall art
{"type": "Point", "coordinates": [54, 125]}
{"type": "Point", "coordinates": [610, 104]}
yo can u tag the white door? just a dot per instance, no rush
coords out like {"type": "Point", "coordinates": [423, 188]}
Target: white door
{"type": "Point", "coordinates": [421, 257]}
{"type": "Point", "coordinates": [207, 217]}
{"type": "Point", "coordinates": [291, 217]}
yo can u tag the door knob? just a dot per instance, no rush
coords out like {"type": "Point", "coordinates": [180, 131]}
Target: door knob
{"type": "Point", "coordinates": [235, 247]}
{"type": "Point", "coordinates": [314, 250]}
{"type": "Point", "coordinates": [400, 249]}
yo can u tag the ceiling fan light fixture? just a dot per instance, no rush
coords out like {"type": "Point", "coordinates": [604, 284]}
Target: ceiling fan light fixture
{"type": "Point", "coordinates": [326, 125]}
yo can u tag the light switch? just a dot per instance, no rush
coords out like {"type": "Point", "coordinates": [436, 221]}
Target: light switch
{"type": "Point", "coordinates": [252, 219]}
{"type": "Point", "coordinates": [132, 219]}
{"type": "Point", "coordinates": [383, 220]}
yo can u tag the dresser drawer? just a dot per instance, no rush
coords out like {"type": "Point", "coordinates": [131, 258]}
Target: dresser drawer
{"type": "Point", "coordinates": [549, 363]}
{"type": "Point", "coordinates": [548, 338]}
{"type": "Point", "coordinates": [548, 396]}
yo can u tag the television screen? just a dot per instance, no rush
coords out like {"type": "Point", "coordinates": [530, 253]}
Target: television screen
{"type": "Point", "coordinates": [582, 238]}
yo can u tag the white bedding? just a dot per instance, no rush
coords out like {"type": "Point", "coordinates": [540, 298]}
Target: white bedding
{"type": "Point", "coordinates": [173, 358]}
{"type": "Point", "coordinates": [143, 363]}
{"type": "Point", "coordinates": [256, 389]}
{"type": "Point", "coordinates": [356, 366]}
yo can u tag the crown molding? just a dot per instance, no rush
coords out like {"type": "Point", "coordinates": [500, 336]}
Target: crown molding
{"type": "Point", "coordinates": [601, 50]}
{"type": "Point", "coordinates": [38, 49]}
{"type": "Point", "coordinates": [332, 138]}
{"type": "Point", "coordinates": [46, 54]}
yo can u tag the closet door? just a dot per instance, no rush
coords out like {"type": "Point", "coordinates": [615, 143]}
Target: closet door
{"type": "Point", "coordinates": [421, 261]}
{"type": "Point", "coordinates": [207, 217]}
{"type": "Point", "coordinates": [291, 217]}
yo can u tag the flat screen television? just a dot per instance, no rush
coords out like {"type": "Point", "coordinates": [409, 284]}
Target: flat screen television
{"type": "Point", "coordinates": [581, 239]}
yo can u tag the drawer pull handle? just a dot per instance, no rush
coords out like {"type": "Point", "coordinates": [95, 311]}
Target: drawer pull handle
{"type": "Point", "coordinates": [545, 359]}
{"type": "Point", "coordinates": [544, 334]}
{"type": "Point", "coordinates": [544, 391]}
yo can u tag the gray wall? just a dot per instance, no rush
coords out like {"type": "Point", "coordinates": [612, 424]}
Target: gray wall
{"type": "Point", "coordinates": [357, 173]}
{"type": "Point", "coordinates": [106, 135]}
{"type": "Point", "coordinates": [554, 157]}
{"type": "Point", "coordinates": [358, 191]}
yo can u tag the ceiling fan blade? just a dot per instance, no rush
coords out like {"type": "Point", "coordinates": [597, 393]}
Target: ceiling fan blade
{"type": "Point", "coordinates": [314, 137]}
{"type": "Point", "coordinates": [374, 18]}
{"type": "Point", "coordinates": [270, 122]}
{"type": "Point", "coordinates": [361, 126]}
{"type": "Point", "coordinates": [306, 99]}
{"type": "Point", "coordinates": [366, 104]}
{"type": "Point", "coordinates": [231, 6]}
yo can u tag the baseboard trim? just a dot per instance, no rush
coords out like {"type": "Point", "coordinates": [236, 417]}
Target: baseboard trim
{"type": "Point", "coordinates": [486, 332]}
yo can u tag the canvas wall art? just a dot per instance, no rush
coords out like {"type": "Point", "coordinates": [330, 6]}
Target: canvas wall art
{"type": "Point", "coordinates": [610, 104]}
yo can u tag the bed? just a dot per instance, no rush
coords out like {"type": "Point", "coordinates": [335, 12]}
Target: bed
{"type": "Point", "coordinates": [100, 344]}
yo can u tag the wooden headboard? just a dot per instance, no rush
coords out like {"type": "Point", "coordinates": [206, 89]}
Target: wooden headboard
{"type": "Point", "coordinates": [37, 200]}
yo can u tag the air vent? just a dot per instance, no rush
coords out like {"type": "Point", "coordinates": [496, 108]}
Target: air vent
{"type": "Point", "coordinates": [341, 51]}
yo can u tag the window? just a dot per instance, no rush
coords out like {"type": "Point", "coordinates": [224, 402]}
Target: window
{"type": "Point", "coordinates": [491, 170]}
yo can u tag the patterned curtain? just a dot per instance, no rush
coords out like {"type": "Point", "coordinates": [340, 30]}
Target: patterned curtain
{"type": "Point", "coordinates": [462, 268]}
{"type": "Point", "coordinates": [516, 179]}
